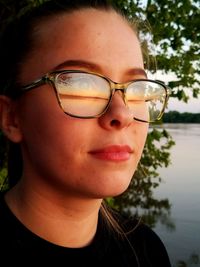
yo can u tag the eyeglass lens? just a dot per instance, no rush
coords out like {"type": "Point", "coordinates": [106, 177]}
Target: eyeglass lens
{"type": "Point", "coordinates": [87, 95]}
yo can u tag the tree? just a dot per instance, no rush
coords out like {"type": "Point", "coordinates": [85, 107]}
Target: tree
{"type": "Point", "coordinates": [175, 39]}
{"type": "Point", "coordinates": [185, 117]}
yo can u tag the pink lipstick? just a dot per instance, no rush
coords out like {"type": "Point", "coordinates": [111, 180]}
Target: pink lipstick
{"type": "Point", "coordinates": [113, 153]}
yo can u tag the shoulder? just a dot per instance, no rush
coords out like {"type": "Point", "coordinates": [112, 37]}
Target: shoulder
{"type": "Point", "coordinates": [8, 221]}
{"type": "Point", "coordinates": [147, 245]}
{"type": "Point", "coordinates": [135, 227]}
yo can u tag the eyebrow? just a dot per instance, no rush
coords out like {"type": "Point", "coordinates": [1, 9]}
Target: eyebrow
{"type": "Point", "coordinates": [137, 71]}
{"type": "Point", "coordinates": [95, 67]}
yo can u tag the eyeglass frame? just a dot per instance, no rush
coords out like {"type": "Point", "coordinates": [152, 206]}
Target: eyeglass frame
{"type": "Point", "coordinates": [49, 78]}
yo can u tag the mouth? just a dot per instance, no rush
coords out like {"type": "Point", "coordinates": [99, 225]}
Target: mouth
{"type": "Point", "coordinates": [113, 153]}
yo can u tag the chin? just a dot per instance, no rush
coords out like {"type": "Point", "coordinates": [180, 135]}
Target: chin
{"type": "Point", "coordinates": [118, 191]}
{"type": "Point", "coordinates": [116, 187]}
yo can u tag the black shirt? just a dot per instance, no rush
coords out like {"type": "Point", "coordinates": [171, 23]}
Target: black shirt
{"type": "Point", "coordinates": [21, 247]}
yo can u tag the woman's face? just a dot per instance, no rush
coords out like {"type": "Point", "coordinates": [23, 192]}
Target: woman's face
{"type": "Point", "coordinates": [90, 158]}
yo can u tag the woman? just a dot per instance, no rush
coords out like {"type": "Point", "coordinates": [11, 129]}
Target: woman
{"type": "Point", "coordinates": [77, 101]}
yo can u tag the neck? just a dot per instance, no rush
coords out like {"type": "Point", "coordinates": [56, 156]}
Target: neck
{"type": "Point", "coordinates": [65, 221]}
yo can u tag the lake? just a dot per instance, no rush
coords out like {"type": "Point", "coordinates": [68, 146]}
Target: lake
{"type": "Point", "coordinates": [181, 186]}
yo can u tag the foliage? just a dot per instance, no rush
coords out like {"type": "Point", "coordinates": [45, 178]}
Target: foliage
{"type": "Point", "coordinates": [3, 161]}
{"type": "Point", "coordinates": [3, 179]}
{"type": "Point", "coordinates": [177, 117]}
{"type": "Point", "coordinates": [194, 260]}
{"type": "Point", "coordinates": [176, 39]}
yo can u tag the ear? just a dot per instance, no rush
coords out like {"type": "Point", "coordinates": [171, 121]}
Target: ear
{"type": "Point", "coordinates": [9, 122]}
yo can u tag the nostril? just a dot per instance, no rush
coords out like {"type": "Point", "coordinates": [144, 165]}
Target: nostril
{"type": "Point", "coordinates": [115, 123]}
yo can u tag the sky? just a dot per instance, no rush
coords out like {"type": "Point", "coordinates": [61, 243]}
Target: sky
{"type": "Point", "coordinates": [193, 104]}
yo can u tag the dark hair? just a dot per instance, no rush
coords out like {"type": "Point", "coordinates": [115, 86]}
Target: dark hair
{"type": "Point", "coordinates": [16, 41]}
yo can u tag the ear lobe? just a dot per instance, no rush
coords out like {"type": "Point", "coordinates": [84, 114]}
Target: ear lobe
{"type": "Point", "coordinates": [9, 123]}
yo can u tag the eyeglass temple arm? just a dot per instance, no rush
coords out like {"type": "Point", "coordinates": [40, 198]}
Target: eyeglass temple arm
{"type": "Point", "coordinates": [35, 84]}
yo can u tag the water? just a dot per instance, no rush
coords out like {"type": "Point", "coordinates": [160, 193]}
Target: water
{"type": "Point", "coordinates": [181, 185]}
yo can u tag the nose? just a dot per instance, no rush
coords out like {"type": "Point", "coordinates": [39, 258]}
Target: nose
{"type": "Point", "coordinates": [118, 115]}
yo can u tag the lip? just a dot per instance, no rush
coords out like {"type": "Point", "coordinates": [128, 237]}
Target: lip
{"type": "Point", "coordinates": [113, 153]}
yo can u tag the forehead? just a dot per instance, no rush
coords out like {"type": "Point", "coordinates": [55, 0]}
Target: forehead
{"type": "Point", "coordinates": [102, 37]}
{"type": "Point", "coordinates": [86, 18]}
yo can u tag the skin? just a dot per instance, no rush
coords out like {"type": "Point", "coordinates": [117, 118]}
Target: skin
{"type": "Point", "coordinates": [63, 182]}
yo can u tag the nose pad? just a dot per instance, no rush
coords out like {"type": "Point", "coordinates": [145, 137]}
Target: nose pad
{"type": "Point", "coordinates": [118, 100]}
{"type": "Point", "coordinates": [123, 95]}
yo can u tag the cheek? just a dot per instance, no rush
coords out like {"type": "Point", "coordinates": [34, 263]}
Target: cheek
{"type": "Point", "coordinates": [46, 130]}
{"type": "Point", "coordinates": [54, 150]}
{"type": "Point", "coordinates": [141, 131]}
{"type": "Point", "coordinates": [40, 114]}
{"type": "Point", "coordinates": [51, 135]}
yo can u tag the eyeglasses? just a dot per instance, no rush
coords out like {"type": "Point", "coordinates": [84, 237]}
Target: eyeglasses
{"type": "Point", "coordinates": [88, 95]}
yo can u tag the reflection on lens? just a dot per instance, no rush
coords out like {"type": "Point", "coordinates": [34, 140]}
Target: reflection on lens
{"type": "Point", "coordinates": [83, 106]}
{"type": "Point", "coordinates": [146, 99]}
{"type": "Point", "coordinates": [83, 94]}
